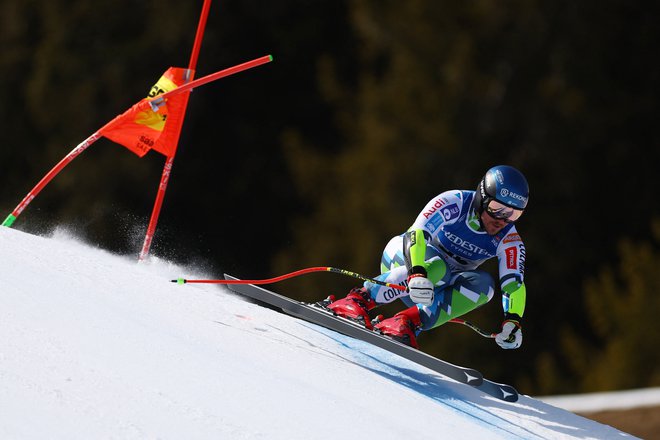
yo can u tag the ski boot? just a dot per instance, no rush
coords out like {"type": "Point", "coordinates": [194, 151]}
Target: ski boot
{"type": "Point", "coordinates": [401, 327]}
{"type": "Point", "coordinates": [355, 306]}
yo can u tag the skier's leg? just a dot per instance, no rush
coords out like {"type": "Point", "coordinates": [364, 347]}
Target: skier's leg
{"type": "Point", "coordinates": [394, 271]}
{"type": "Point", "coordinates": [465, 292]}
{"type": "Point", "coordinates": [357, 304]}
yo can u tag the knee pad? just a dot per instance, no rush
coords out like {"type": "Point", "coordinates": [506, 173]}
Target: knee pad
{"type": "Point", "coordinates": [392, 255]}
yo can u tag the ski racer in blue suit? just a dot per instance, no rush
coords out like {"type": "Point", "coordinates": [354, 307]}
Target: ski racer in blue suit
{"type": "Point", "coordinates": [438, 260]}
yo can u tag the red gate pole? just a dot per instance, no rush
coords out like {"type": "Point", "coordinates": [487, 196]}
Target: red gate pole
{"type": "Point", "coordinates": [167, 169]}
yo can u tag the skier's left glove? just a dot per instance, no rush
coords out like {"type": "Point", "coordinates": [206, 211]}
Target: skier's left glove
{"type": "Point", "coordinates": [511, 335]}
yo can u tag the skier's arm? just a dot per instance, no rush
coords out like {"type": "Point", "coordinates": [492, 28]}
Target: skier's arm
{"type": "Point", "coordinates": [514, 297]}
{"type": "Point", "coordinates": [511, 254]}
{"type": "Point", "coordinates": [513, 302]}
{"type": "Point", "coordinates": [414, 251]}
{"type": "Point", "coordinates": [420, 288]}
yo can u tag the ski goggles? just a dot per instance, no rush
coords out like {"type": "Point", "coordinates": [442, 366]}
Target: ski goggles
{"type": "Point", "coordinates": [500, 211]}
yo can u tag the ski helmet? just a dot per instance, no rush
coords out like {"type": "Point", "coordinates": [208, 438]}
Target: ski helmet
{"type": "Point", "coordinates": [503, 193]}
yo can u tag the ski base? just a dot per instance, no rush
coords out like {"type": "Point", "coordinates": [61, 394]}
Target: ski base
{"type": "Point", "coordinates": [325, 318]}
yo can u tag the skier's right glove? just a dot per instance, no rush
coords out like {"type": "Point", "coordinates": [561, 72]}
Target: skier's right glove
{"type": "Point", "coordinates": [420, 289]}
{"type": "Point", "coordinates": [511, 335]}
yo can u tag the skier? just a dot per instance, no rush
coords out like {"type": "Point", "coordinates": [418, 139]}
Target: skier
{"type": "Point", "coordinates": [437, 258]}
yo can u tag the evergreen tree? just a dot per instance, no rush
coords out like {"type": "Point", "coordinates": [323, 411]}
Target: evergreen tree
{"type": "Point", "coordinates": [623, 304]}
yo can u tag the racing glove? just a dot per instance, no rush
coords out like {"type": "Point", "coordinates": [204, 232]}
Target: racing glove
{"type": "Point", "coordinates": [420, 289]}
{"type": "Point", "coordinates": [511, 335]}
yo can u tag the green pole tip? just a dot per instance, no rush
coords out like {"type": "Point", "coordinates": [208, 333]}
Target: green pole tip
{"type": "Point", "coordinates": [179, 281]}
{"type": "Point", "coordinates": [9, 220]}
{"type": "Point", "coordinates": [270, 58]}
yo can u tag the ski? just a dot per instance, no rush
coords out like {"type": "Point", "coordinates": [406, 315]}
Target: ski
{"type": "Point", "coordinates": [325, 318]}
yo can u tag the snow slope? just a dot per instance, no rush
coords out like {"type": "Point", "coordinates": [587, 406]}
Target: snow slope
{"type": "Point", "coordinates": [94, 345]}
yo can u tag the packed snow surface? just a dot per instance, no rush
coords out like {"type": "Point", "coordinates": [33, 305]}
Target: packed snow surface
{"type": "Point", "coordinates": [95, 345]}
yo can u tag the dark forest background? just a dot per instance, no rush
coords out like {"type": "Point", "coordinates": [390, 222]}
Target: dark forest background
{"type": "Point", "coordinates": [370, 108]}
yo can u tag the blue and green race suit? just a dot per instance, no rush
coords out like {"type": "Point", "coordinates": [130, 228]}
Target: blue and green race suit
{"type": "Point", "coordinates": [448, 244]}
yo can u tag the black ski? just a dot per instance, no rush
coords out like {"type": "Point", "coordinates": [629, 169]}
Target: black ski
{"type": "Point", "coordinates": [324, 318]}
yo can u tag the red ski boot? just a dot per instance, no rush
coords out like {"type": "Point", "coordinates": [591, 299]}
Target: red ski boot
{"type": "Point", "coordinates": [355, 306]}
{"type": "Point", "coordinates": [402, 326]}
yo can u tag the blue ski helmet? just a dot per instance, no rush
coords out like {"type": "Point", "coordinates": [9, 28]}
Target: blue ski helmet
{"type": "Point", "coordinates": [503, 193]}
